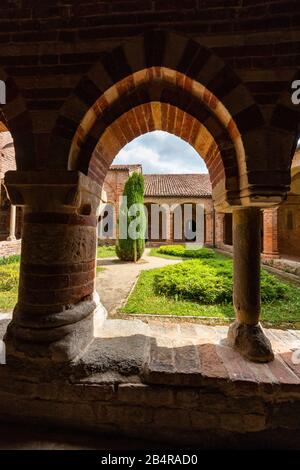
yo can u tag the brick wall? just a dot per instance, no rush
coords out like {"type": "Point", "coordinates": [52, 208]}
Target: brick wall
{"type": "Point", "coordinates": [289, 230]}
{"type": "Point", "coordinates": [7, 153]}
{"type": "Point", "coordinates": [219, 232]}
{"type": "Point", "coordinates": [114, 186]}
{"type": "Point", "coordinates": [46, 48]}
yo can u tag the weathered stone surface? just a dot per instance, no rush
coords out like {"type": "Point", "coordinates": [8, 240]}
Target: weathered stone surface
{"type": "Point", "coordinates": [250, 341]}
{"type": "Point", "coordinates": [106, 389]}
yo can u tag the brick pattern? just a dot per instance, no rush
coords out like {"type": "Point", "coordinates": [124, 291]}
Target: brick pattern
{"type": "Point", "coordinates": [288, 230]}
{"type": "Point", "coordinates": [7, 153]}
{"type": "Point", "coordinates": [114, 184]}
{"type": "Point", "coordinates": [149, 117]}
{"type": "Point", "coordinates": [190, 389]}
{"type": "Point", "coordinates": [270, 232]}
{"type": "Point", "coordinates": [52, 52]}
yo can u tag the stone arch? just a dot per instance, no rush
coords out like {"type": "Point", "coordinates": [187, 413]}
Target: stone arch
{"type": "Point", "coordinates": [15, 116]}
{"type": "Point", "coordinates": [159, 116]}
{"type": "Point", "coordinates": [183, 60]}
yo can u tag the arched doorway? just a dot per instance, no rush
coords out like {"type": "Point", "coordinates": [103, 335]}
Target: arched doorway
{"type": "Point", "coordinates": [120, 99]}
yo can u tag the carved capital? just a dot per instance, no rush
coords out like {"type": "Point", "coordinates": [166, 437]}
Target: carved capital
{"type": "Point", "coordinates": [53, 190]}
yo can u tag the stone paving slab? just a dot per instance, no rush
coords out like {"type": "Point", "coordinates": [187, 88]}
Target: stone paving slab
{"type": "Point", "coordinates": [186, 354]}
{"type": "Point", "coordinates": [200, 351]}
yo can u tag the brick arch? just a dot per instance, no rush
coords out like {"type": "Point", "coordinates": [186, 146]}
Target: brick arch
{"type": "Point", "coordinates": [159, 116]}
{"type": "Point", "coordinates": [14, 114]}
{"type": "Point", "coordinates": [221, 89]}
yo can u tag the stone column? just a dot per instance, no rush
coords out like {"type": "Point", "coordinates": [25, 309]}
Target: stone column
{"type": "Point", "coordinates": [53, 321]}
{"type": "Point", "coordinates": [270, 235]}
{"type": "Point", "coordinates": [246, 334]}
{"type": "Point", "coordinates": [12, 223]}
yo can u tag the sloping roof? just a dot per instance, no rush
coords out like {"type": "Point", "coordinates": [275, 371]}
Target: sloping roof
{"type": "Point", "coordinates": [126, 167]}
{"type": "Point", "coordinates": [184, 185]}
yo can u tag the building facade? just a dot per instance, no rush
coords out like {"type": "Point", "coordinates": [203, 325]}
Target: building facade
{"type": "Point", "coordinates": [10, 215]}
{"type": "Point", "coordinates": [280, 225]}
{"type": "Point", "coordinates": [170, 201]}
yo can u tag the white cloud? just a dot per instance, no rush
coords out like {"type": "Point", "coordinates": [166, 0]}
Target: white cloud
{"type": "Point", "coordinates": [161, 152]}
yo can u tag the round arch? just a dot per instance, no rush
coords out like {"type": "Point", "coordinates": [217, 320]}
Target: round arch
{"type": "Point", "coordinates": [15, 116]}
{"type": "Point", "coordinates": [159, 116]}
{"type": "Point", "coordinates": [226, 105]}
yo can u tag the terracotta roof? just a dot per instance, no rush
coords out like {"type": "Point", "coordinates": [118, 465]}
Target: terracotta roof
{"type": "Point", "coordinates": [184, 185]}
{"type": "Point", "coordinates": [137, 166]}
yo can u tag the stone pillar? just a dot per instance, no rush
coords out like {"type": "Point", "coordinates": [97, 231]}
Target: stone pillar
{"type": "Point", "coordinates": [12, 223]}
{"type": "Point", "coordinates": [168, 225]}
{"type": "Point", "coordinates": [270, 234]}
{"type": "Point", "coordinates": [246, 334]}
{"type": "Point", "coordinates": [53, 321]}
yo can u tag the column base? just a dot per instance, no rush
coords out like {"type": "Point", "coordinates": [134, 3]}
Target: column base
{"type": "Point", "coordinates": [11, 238]}
{"type": "Point", "coordinates": [55, 339]}
{"type": "Point", "coordinates": [268, 256]}
{"type": "Point", "coordinates": [250, 341]}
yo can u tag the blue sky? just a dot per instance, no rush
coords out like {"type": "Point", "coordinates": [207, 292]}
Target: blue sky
{"type": "Point", "coordinates": [161, 152]}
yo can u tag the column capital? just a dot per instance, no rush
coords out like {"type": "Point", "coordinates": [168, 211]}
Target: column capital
{"type": "Point", "coordinates": [53, 190]}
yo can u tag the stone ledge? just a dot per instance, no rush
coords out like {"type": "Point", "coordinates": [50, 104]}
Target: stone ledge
{"type": "Point", "coordinates": [221, 394]}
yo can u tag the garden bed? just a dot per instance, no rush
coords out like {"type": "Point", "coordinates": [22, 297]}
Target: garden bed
{"type": "Point", "coordinates": [202, 287]}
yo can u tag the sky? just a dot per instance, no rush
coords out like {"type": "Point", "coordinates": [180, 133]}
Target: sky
{"type": "Point", "coordinates": [161, 152]}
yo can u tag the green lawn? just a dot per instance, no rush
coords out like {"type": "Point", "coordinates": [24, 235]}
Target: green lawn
{"type": "Point", "coordinates": [106, 251]}
{"type": "Point", "coordinates": [146, 300]}
{"type": "Point", "coordinates": [9, 279]}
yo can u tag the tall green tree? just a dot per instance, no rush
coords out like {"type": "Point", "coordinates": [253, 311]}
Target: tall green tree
{"type": "Point", "coordinates": [132, 222]}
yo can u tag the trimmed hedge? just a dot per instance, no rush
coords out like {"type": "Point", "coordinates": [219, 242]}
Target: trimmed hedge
{"type": "Point", "coordinates": [209, 282]}
{"type": "Point", "coordinates": [183, 252]}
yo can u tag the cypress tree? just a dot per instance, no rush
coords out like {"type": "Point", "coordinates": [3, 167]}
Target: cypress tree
{"type": "Point", "coordinates": [130, 249]}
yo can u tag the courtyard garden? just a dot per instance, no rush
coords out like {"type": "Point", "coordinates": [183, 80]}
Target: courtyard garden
{"type": "Point", "coordinates": [9, 279]}
{"type": "Point", "coordinates": [198, 285]}
{"type": "Point", "coordinates": [201, 285]}
{"type": "Point", "coordinates": [106, 251]}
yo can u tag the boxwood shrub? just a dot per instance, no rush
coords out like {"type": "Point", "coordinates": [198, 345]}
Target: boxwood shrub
{"type": "Point", "coordinates": [183, 252]}
{"type": "Point", "coordinates": [209, 282]}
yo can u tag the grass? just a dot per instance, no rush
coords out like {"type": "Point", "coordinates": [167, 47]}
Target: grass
{"type": "Point", "coordinates": [100, 269]}
{"type": "Point", "coordinates": [146, 300]}
{"type": "Point", "coordinates": [106, 251]}
{"type": "Point", "coordinates": [9, 280]}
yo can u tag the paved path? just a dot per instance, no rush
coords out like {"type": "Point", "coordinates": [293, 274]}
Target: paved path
{"type": "Point", "coordinates": [114, 284]}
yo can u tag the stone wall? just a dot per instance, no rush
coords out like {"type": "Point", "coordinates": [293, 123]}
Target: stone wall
{"type": "Point", "coordinates": [7, 153]}
{"type": "Point", "coordinates": [8, 248]}
{"type": "Point", "coordinates": [289, 230]}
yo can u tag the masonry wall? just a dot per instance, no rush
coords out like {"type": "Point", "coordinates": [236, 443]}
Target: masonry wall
{"type": "Point", "coordinates": [7, 162]}
{"type": "Point", "coordinates": [7, 154]}
{"type": "Point", "coordinates": [289, 230]}
{"type": "Point", "coordinates": [8, 248]}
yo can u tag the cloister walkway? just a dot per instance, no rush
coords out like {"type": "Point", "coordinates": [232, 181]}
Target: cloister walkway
{"type": "Point", "coordinates": [116, 281]}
